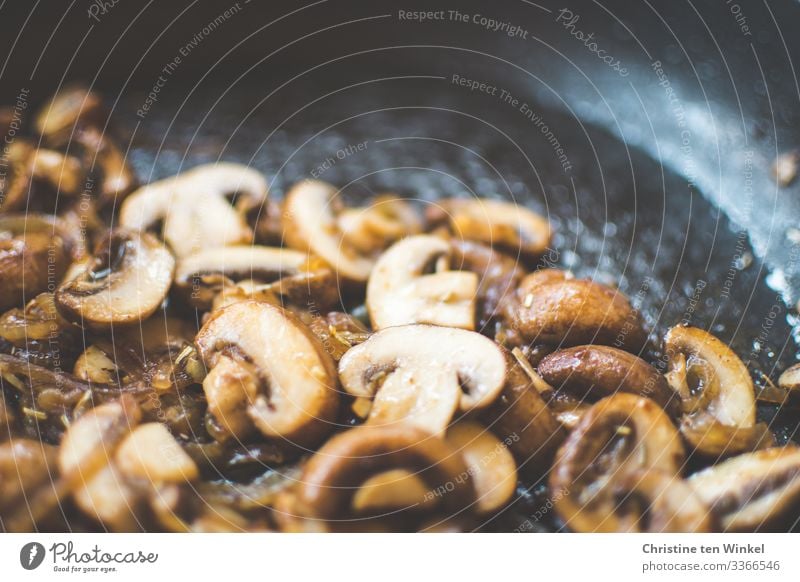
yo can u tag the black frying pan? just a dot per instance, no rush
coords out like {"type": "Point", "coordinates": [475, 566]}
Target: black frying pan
{"type": "Point", "coordinates": [644, 130]}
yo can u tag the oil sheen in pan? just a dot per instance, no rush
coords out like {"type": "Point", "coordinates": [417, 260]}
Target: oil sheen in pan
{"type": "Point", "coordinates": [620, 216]}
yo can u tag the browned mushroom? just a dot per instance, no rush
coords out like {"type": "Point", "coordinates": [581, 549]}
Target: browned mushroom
{"type": "Point", "coordinates": [598, 371]}
{"type": "Point", "coordinates": [334, 475]}
{"type": "Point", "coordinates": [717, 394]}
{"type": "Point", "coordinates": [556, 310]}
{"type": "Point", "coordinates": [420, 375]}
{"type": "Point", "coordinates": [386, 220]}
{"type": "Point", "coordinates": [34, 253]}
{"type": "Point", "coordinates": [76, 116]}
{"type": "Point", "coordinates": [25, 464]}
{"type": "Point", "coordinates": [126, 281]}
{"type": "Point", "coordinates": [490, 463]}
{"type": "Point", "coordinates": [496, 223]}
{"type": "Point", "coordinates": [411, 283]}
{"type": "Point", "coordinates": [619, 435]}
{"type": "Point", "coordinates": [754, 491]}
{"type": "Point", "coordinates": [36, 176]}
{"type": "Point", "coordinates": [348, 239]}
{"type": "Point", "coordinates": [310, 225]}
{"type": "Point", "coordinates": [658, 502]}
{"type": "Point", "coordinates": [498, 277]}
{"type": "Point", "coordinates": [522, 419]}
{"type": "Point", "coordinates": [267, 371]}
{"type": "Point", "coordinates": [192, 209]}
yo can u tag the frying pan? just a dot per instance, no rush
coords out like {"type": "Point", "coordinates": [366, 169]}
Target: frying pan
{"type": "Point", "coordinates": [645, 131]}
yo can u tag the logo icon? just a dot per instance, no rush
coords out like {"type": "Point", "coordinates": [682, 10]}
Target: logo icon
{"type": "Point", "coordinates": [31, 555]}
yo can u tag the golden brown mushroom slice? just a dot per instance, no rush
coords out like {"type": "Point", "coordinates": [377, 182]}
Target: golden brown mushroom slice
{"type": "Point", "coordinates": [489, 461]}
{"type": "Point", "coordinates": [757, 491]}
{"type": "Point", "coordinates": [76, 115]}
{"type": "Point", "coordinates": [387, 219]}
{"type": "Point", "coordinates": [506, 225]}
{"type": "Point", "coordinates": [657, 502]}
{"type": "Point", "coordinates": [193, 208]}
{"type": "Point", "coordinates": [602, 371]}
{"type": "Point", "coordinates": [33, 172]}
{"type": "Point", "coordinates": [269, 372]}
{"type": "Point", "coordinates": [420, 375]}
{"type": "Point", "coordinates": [125, 282]}
{"type": "Point", "coordinates": [200, 277]}
{"type": "Point", "coordinates": [619, 435]}
{"type": "Point", "coordinates": [34, 253]}
{"type": "Point", "coordinates": [334, 477]}
{"type": "Point", "coordinates": [554, 309]}
{"type": "Point", "coordinates": [786, 393]}
{"type": "Point", "coordinates": [717, 393]}
{"type": "Point", "coordinates": [25, 464]}
{"type": "Point", "coordinates": [310, 224]}
{"type": "Point", "coordinates": [498, 277]}
{"type": "Point", "coordinates": [412, 283]}
{"type": "Point", "coordinates": [521, 418]}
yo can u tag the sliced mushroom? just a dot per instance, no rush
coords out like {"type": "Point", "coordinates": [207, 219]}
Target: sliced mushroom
{"type": "Point", "coordinates": [73, 104]}
{"type": "Point", "coordinates": [754, 491]}
{"type": "Point", "coordinates": [657, 502]}
{"type": "Point", "coordinates": [273, 372]}
{"type": "Point", "coordinates": [25, 464]}
{"type": "Point", "coordinates": [786, 393]}
{"type": "Point", "coordinates": [193, 208]}
{"type": "Point", "coordinates": [90, 442]}
{"type": "Point", "coordinates": [150, 452]}
{"type": "Point", "coordinates": [715, 389]}
{"type": "Point", "coordinates": [333, 477]}
{"type": "Point", "coordinates": [310, 224]}
{"type": "Point", "coordinates": [386, 220]}
{"type": "Point", "coordinates": [34, 254]}
{"type": "Point", "coordinates": [337, 331]}
{"type": "Point", "coordinates": [392, 490]}
{"type": "Point", "coordinates": [619, 435]}
{"type": "Point", "coordinates": [490, 463]}
{"type": "Point", "coordinates": [599, 371]}
{"type": "Point", "coordinates": [411, 284]}
{"type": "Point", "coordinates": [498, 277]}
{"type": "Point", "coordinates": [38, 178]}
{"type": "Point", "coordinates": [506, 225]}
{"type": "Point", "coordinates": [126, 281]}
{"type": "Point", "coordinates": [520, 417]}
{"type": "Point", "coordinates": [16, 182]}
{"type": "Point", "coordinates": [200, 277]}
{"type": "Point", "coordinates": [710, 437]}
{"type": "Point", "coordinates": [108, 498]}
{"type": "Point", "coordinates": [419, 375]}
{"type": "Point", "coordinates": [76, 116]}
{"type": "Point", "coordinates": [556, 310]}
